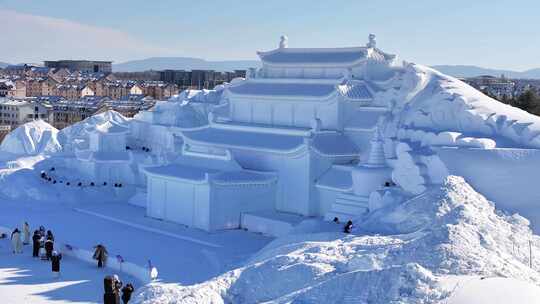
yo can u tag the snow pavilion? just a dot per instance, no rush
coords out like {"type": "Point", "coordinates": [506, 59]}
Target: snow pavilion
{"type": "Point", "coordinates": [285, 141]}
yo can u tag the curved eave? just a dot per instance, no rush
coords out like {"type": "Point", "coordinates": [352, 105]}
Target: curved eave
{"type": "Point", "coordinates": [329, 97]}
{"type": "Point", "coordinates": [363, 50]}
{"type": "Point", "coordinates": [176, 178]}
{"type": "Point", "coordinates": [297, 150]}
{"type": "Point", "coordinates": [316, 64]}
{"type": "Point", "coordinates": [246, 183]}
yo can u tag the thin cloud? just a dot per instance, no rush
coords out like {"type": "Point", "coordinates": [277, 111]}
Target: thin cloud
{"type": "Point", "coordinates": [30, 38]}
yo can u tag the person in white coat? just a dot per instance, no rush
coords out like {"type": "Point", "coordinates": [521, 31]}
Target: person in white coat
{"type": "Point", "coordinates": [26, 232]}
{"type": "Point", "coordinates": [16, 241]}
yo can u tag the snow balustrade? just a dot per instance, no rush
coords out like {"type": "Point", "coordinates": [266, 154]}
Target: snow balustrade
{"type": "Point", "coordinates": [145, 274]}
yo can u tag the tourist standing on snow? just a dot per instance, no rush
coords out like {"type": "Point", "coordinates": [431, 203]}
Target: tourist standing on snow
{"type": "Point", "coordinates": [42, 231]}
{"type": "Point", "coordinates": [126, 293]}
{"type": "Point", "coordinates": [55, 264]}
{"type": "Point", "coordinates": [117, 285]}
{"type": "Point", "coordinates": [348, 227]}
{"type": "Point", "coordinates": [49, 247]}
{"type": "Point", "coordinates": [16, 241]}
{"type": "Point", "coordinates": [100, 255]}
{"type": "Point", "coordinates": [36, 244]}
{"type": "Point", "coordinates": [50, 236]}
{"type": "Point", "coordinates": [26, 232]}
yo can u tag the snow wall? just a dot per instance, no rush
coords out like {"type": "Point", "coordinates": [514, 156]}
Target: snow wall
{"type": "Point", "coordinates": [508, 177]}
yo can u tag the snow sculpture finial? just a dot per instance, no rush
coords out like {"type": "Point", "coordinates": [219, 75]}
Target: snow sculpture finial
{"type": "Point", "coordinates": [283, 42]}
{"type": "Point", "coordinates": [372, 41]}
{"type": "Point", "coordinates": [376, 154]}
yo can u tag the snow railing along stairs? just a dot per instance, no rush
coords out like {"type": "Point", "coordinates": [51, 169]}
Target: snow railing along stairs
{"type": "Point", "coordinates": [145, 274]}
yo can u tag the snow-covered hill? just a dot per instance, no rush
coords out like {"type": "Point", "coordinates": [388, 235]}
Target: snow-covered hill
{"type": "Point", "coordinates": [36, 137]}
{"type": "Point", "coordinates": [406, 256]}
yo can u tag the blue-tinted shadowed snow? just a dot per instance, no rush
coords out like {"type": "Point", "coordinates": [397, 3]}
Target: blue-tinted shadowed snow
{"type": "Point", "coordinates": [334, 144]}
{"type": "Point", "coordinates": [336, 178]}
{"type": "Point", "coordinates": [355, 90]}
{"type": "Point", "coordinates": [233, 177]}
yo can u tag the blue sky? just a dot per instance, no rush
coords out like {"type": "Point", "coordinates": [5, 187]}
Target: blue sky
{"type": "Point", "coordinates": [498, 34]}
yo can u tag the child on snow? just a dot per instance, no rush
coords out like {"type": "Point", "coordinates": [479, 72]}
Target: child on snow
{"type": "Point", "coordinates": [16, 241]}
{"type": "Point", "coordinates": [55, 264]}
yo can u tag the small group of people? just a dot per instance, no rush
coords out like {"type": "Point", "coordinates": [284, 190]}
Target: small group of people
{"type": "Point", "coordinates": [348, 226]}
{"type": "Point", "coordinates": [113, 287]}
{"type": "Point", "coordinates": [42, 245]}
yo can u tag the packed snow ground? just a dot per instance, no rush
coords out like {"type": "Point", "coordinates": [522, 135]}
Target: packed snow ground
{"type": "Point", "coordinates": [177, 260]}
{"type": "Point", "coordinates": [24, 279]}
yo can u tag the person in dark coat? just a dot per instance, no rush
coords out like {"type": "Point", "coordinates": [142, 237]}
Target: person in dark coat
{"type": "Point", "coordinates": [50, 236]}
{"type": "Point", "coordinates": [126, 293]}
{"type": "Point", "coordinates": [100, 255]}
{"type": "Point", "coordinates": [348, 227]}
{"type": "Point", "coordinates": [42, 231]}
{"type": "Point", "coordinates": [112, 285]}
{"type": "Point", "coordinates": [49, 247]}
{"type": "Point", "coordinates": [55, 264]}
{"type": "Point", "coordinates": [36, 244]}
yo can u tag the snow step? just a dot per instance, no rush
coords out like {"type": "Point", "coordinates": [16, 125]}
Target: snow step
{"type": "Point", "coordinates": [352, 197]}
{"type": "Point", "coordinates": [348, 206]}
{"type": "Point", "coordinates": [351, 203]}
{"type": "Point", "coordinates": [349, 209]}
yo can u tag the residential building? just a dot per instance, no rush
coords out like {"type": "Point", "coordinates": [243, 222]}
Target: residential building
{"type": "Point", "coordinates": [18, 90]}
{"type": "Point", "coordinates": [68, 112]}
{"type": "Point", "coordinates": [5, 88]}
{"type": "Point", "coordinates": [159, 90]}
{"type": "Point", "coordinates": [16, 112]}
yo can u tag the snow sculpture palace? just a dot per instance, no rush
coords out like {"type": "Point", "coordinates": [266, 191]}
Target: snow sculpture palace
{"type": "Point", "coordinates": [314, 132]}
{"type": "Point", "coordinates": [288, 139]}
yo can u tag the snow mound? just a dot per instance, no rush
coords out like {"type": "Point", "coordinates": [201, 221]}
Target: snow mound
{"type": "Point", "coordinates": [433, 102]}
{"type": "Point", "coordinates": [203, 96]}
{"type": "Point", "coordinates": [495, 291]}
{"type": "Point", "coordinates": [180, 113]}
{"type": "Point", "coordinates": [32, 138]}
{"type": "Point", "coordinates": [77, 134]}
{"type": "Point", "coordinates": [403, 257]}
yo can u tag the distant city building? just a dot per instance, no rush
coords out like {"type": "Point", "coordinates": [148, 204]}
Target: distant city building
{"type": "Point", "coordinates": [88, 66]}
{"type": "Point", "coordinates": [198, 79]}
{"type": "Point", "coordinates": [16, 112]}
{"type": "Point", "coordinates": [68, 112]}
{"type": "Point", "coordinates": [500, 87]}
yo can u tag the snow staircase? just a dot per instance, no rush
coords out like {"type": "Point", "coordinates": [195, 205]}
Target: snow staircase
{"type": "Point", "coordinates": [348, 206]}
